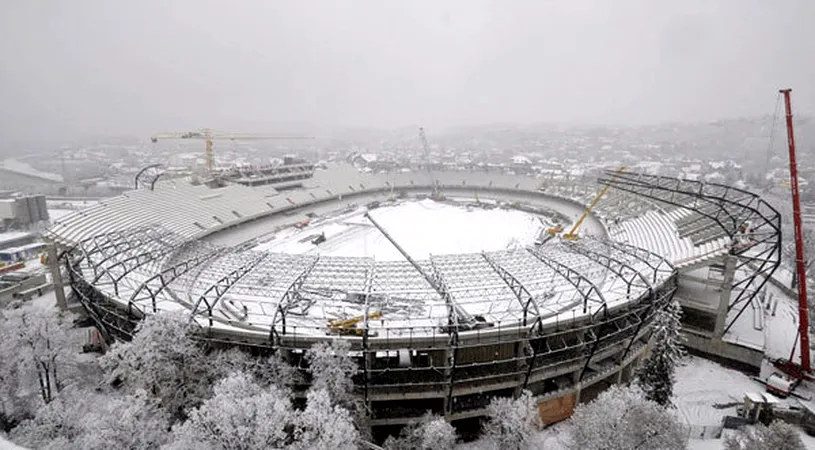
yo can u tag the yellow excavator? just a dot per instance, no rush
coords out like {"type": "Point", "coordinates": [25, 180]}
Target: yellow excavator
{"type": "Point", "coordinates": [572, 234]}
{"type": "Point", "coordinates": [348, 326]}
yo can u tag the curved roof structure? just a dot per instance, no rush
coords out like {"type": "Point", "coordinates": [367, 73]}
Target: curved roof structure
{"type": "Point", "coordinates": [147, 270]}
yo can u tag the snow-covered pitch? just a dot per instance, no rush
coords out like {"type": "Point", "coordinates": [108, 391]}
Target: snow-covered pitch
{"type": "Point", "coordinates": [422, 228]}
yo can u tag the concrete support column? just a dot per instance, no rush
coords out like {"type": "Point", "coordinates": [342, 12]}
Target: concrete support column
{"type": "Point", "coordinates": [578, 387]}
{"type": "Point", "coordinates": [56, 275]}
{"type": "Point", "coordinates": [367, 360]}
{"type": "Point", "coordinates": [523, 351]}
{"type": "Point", "coordinates": [724, 296]}
{"type": "Point", "coordinates": [449, 357]}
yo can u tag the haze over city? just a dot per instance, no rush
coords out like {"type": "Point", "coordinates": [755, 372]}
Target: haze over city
{"type": "Point", "coordinates": [77, 69]}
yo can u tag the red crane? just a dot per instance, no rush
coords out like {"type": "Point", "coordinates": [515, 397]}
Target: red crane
{"type": "Point", "coordinates": [803, 315]}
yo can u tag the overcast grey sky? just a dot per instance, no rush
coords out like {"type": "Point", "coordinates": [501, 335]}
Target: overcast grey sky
{"type": "Point", "coordinates": [75, 68]}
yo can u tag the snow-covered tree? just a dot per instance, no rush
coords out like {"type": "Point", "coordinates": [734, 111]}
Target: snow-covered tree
{"type": "Point", "coordinates": [323, 426]}
{"type": "Point", "coordinates": [241, 415]}
{"type": "Point", "coordinates": [89, 420]}
{"type": "Point", "coordinates": [622, 419]}
{"type": "Point", "coordinates": [331, 368]}
{"type": "Point", "coordinates": [35, 344]}
{"type": "Point", "coordinates": [430, 433]}
{"type": "Point", "coordinates": [55, 425]}
{"type": "Point", "coordinates": [15, 405]}
{"type": "Point", "coordinates": [777, 436]}
{"type": "Point", "coordinates": [268, 370]}
{"type": "Point", "coordinates": [163, 360]}
{"type": "Point", "coordinates": [132, 421]}
{"type": "Point", "coordinates": [512, 422]}
{"type": "Point", "coordinates": [656, 376]}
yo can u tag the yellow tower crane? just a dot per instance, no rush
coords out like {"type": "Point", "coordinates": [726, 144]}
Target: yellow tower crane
{"type": "Point", "coordinates": [572, 234]}
{"type": "Point", "coordinates": [208, 135]}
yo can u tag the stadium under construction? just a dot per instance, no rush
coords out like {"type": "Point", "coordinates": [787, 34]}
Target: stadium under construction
{"type": "Point", "coordinates": [440, 328]}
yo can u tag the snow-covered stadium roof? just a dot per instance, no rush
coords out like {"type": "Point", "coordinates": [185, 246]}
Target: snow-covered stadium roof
{"type": "Point", "coordinates": [149, 270]}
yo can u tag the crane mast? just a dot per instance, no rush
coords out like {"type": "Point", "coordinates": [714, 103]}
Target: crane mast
{"type": "Point", "coordinates": [435, 192]}
{"type": "Point", "coordinates": [800, 260]}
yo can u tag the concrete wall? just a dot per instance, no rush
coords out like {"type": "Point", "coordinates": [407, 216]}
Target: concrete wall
{"type": "Point", "coordinates": [725, 350]}
{"type": "Point", "coordinates": [43, 207]}
{"type": "Point", "coordinates": [22, 211]}
{"type": "Point", "coordinates": [7, 208]}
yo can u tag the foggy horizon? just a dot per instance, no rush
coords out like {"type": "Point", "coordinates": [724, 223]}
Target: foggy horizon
{"type": "Point", "coordinates": [94, 68]}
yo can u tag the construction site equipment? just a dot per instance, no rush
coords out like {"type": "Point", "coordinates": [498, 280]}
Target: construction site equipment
{"type": "Point", "coordinates": [554, 230]}
{"type": "Point", "coordinates": [757, 407]}
{"type": "Point", "coordinates": [349, 326]}
{"type": "Point", "coordinates": [208, 135]}
{"type": "Point", "coordinates": [781, 385]}
{"type": "Point", "coordinates": [572, 234]}
{"type": "Point", "coordinates": [463, 317]}
{"type": "Point", "coordinates": [800, 259]}
{"type": "Point", "coordinates": [319, 239]}
{"type": "Point", "coordinates": [435, 195]}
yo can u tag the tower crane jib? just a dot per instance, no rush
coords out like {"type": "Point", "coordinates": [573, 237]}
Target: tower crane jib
{"type": "Point", "coordinates": [208, 135]}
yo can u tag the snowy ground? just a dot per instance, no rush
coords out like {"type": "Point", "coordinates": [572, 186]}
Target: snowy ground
{"type": "Point", "coordinates": [420, 227]}
{"type": "Point", "coordinates": [700, 384]}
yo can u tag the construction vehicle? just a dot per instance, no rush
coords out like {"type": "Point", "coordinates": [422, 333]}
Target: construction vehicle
{"type": "Point", "coordinates": [435, 194]}
{"type": "Point", "coordinates": [208, 135]}
{"type": "Point", "coordinates": [781, 384]}
{"type": "Point", "coordinates": [349, 326]}
{"type": "Point", "coordinates": [319, 239]}
{"type": "Point", "coordinates": [552, 231]}
{"type": "Point", "coordinates": [572, 234]}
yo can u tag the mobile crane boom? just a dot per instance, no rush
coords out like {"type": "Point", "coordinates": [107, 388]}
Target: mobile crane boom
{"type": "Point", "coordinates": [572, 234]}
{"type": "Point", "coordinates": [800, 259]}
